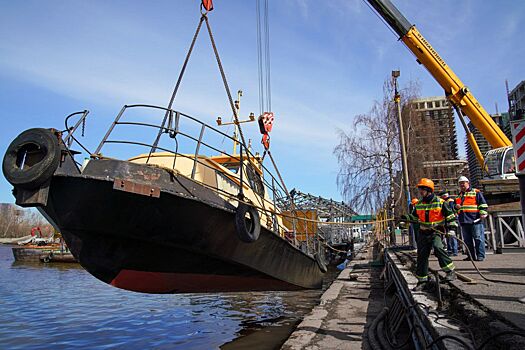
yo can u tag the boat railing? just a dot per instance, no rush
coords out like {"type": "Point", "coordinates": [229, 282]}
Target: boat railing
{"type": "Point", "coordinates": [181, 137]}
{"type": "Point", "coordinates": [68, 134]}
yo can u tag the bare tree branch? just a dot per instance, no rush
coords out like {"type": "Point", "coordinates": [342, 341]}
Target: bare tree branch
{"type": "Point", "coordinates": [369, 154]}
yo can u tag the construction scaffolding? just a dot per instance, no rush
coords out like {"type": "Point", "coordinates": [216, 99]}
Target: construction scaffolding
{"type": "Point", "coordinates": [324, 210]}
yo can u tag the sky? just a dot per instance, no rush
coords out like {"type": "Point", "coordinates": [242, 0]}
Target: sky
{"type": "Point", "coordinates": [329, 60]}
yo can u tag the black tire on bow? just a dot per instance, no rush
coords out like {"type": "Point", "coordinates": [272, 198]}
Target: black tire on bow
{"type": "Point", "coordinates": [32, 158]}
{"type": "Point", "coordinates": [247, 223]}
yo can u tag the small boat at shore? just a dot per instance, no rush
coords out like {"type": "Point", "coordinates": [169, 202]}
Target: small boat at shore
{"type": "Point", "coordinates": [46, 254]}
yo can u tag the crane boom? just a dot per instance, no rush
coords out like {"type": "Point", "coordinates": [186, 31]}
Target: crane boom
{"type": "Point", "coordinates": [457, 93]}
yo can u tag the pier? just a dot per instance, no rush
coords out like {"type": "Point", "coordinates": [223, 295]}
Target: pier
{"type": "Point", "coordinates": [371, 305]}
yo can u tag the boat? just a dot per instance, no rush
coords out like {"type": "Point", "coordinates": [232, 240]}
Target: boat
{"type": "Point", "coordinates": [160, 207]}
{"type": "Point", "coordinates": [164, 221]}
{"type": "Point", "coordinates": [46, 254]}
{"type": "Point", "coordinates": [36, 248]}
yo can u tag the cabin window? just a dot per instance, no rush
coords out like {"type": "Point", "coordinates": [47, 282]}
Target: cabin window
{"type": "Point", "coordinates": [233, 167]}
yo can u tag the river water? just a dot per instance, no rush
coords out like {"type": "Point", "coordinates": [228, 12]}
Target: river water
{"type": "Point", "coordinates": [61, 306]}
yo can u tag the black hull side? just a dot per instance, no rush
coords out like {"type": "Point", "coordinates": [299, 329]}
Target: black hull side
{"type": "Point", "coordinates": [183, 241]}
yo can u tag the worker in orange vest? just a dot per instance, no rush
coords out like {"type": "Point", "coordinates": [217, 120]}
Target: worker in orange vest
{"type": "Point", "coordinates": [472, 208]}
{"type": "Point", "coordinates": [434, 216]}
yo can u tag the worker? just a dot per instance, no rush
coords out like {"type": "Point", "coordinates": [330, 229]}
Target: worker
{"type": "Point", "coordinates": [472, 208]}
{"type": "Point", "coordinates": [433, 216]}
{"type": "Point", "coordinates": [452, 242]}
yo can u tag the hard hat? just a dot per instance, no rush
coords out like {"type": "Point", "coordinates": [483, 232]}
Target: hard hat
{"type": "Point", "coordinates": [444, 194]}
{"type": "Point", "coordinates": [424, 182]}
{"type": "Point", "coordinates": [463, 179]}
{"type": "Point", "coordinates": [414, 201]}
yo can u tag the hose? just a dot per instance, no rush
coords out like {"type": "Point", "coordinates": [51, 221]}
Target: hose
{"type": "Point", "coordinates": [470, 257]}
{"type": "Point", "coordinates": [371, 332]}
{"type": "Point", "coordinates": [386, 334]}
{"type": "Point", "coordinates": [478, 271]}
{"type": "Point", "coordinates": [447, 336]}
{"type": "Point", "coordinates": [492, 337]}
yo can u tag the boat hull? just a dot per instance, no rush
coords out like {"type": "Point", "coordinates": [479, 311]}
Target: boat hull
{"type": "Point", "coordinates": [42, 254]}
{"type": "Point", "coordinates": [181, 241]}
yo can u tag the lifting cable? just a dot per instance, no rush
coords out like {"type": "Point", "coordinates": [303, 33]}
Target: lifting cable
{"type": "Point", "coordinates": [263, 57]}
{"type": "Point", "coordinates": [264, 83]}
{"type": "Point", "coordinates": [177, 85]}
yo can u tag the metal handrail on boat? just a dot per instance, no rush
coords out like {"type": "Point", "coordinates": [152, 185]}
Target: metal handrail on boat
{"type": "Point", "coordinates": [70, 138]}
{"type": "Point", "coordinates": [276, 192]}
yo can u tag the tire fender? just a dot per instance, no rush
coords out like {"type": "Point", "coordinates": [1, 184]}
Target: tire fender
{"type": "Point", "coordinates": [32, 158]}
{"type": "Point", "coordinates": [247, 223]}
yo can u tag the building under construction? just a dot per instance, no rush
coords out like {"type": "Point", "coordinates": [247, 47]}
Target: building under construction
{"type": "Point", "coordinates": [433, 145]}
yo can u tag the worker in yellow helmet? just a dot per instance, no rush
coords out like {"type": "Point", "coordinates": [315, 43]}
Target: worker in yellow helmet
{"type": "Point", "coordinates": [433, 215]}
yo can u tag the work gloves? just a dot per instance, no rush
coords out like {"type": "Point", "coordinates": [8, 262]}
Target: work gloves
{"type": "Point", "coordinates": [451, 233]}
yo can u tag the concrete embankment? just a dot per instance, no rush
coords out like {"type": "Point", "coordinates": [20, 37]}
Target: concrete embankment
{"type": "Point", "coordinates": [346, 310]}
{"type": "Point", "coordinates": [372, 305]}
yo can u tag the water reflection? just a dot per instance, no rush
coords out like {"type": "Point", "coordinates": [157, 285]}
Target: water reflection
{"type": "Point", "coordinates": [61, 306]}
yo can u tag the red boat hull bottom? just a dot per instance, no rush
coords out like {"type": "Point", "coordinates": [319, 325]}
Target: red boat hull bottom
{"type": "Point", "coordinates": [168, 282]}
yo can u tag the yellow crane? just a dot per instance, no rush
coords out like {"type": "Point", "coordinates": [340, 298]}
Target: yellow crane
{"type": "Point", "coordinates": [456, 92]}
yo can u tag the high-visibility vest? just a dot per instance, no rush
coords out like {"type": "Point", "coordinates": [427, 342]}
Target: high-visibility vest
{"type": "Point", "coordinates": [467, 201]}
{"type": "Point", "coordinates": [430, 214]}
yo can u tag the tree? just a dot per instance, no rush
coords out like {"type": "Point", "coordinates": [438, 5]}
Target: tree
{"type": "Point", "coordinates": [18, 222]}
{"type": "Point", "coordinates": [369, 155]}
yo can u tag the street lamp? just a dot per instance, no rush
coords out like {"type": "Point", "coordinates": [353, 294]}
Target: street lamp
{"type": "Point", "coordinates": [397, 100]}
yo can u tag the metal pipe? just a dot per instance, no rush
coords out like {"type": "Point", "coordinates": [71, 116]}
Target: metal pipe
{"type": "Point", "coordinates": [84, 115]}
{"type": "Point", "coordinates": [397, 100]}
{"type": "Point", "coordinates": [197, 152]}
{"type": "Point", "coordinates": [99, 148]}
{"type": "Point", "coordinates": [241, 169]}
{"type": "Point", "coordinates": [521, 179]}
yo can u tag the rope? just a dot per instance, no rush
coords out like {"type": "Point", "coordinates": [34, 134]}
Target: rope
{"type": "Point", "coordinates": [280, 177]}
{"type": "Point", "coordinates": [268, 211]}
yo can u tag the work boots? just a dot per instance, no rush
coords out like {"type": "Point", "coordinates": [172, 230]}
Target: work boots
{"type": "Point", "coordinates": [421, 286]}
{"type": "Point", "coordinates": [450, 276]}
